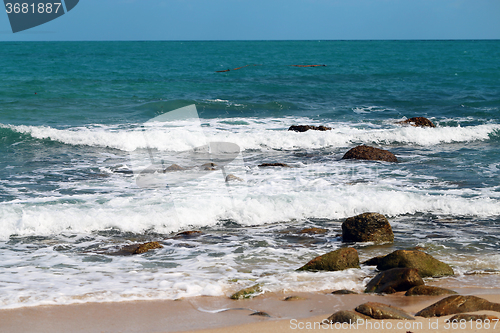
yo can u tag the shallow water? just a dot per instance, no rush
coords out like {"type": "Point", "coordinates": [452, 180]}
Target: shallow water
{"type": "Point", "coordinates": [71, 154]}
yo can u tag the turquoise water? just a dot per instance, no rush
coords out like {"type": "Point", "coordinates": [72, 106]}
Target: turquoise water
{"type": "Point", "coordinates": [75, 127]}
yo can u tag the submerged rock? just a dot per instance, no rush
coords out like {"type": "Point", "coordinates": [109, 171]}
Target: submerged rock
{"type": "Point", "coordinates": [261, 314]}
{"type": "Point", "coordinates": [427, 265]}
{"type": "Point", "coordinates": [334, 261]}
{"type": "Point", "coordinates": [313, 231]}
{"type": "Point", "coordinates": [174, 167]}
{"type": "Point", "coordinates": [344, 292]}
{"type": "Point", "coordinates": [458, 304]}
{"type": "Point", "coordinates": [294, 298]}
{"type": "Point", "coordinates": [135, 249]}
{"type": "Point", "coordinates": [283, 165]}
{"type": "Point", "coordinates": [233, 178]}
{"type": "Point", "coordinates": [209, 166]}
{"type": "Point", "coordinates": [394, 280]}
{"type": "Point", "coordinates": [347, 316]}
{"type": "Point", "coordinates": [383, 311]}
{"type": "Point", "coordinates": [304, 128]}
{"type": "Point", "coordinates": [367, 227]}
{"type": "Point", "coordinates": [188, 234]}
{"type": "Point", "coordinates": [142, 248]}
{"type": "Point", "coordinates": [418, 121]}
{"type": "Point", "coordinates": [370, 153]}
{"type": "Point", "coordinates": [247, 292]}
{"type": "Point", "coordinates": [428, 291]}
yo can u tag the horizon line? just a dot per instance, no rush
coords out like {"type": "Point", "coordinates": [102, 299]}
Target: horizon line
{"type": "Point", "coordinates": [256, 40]}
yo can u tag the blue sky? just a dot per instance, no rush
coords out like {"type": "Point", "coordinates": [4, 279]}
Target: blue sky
{"type": "Point", "coordinates": [268, 20]}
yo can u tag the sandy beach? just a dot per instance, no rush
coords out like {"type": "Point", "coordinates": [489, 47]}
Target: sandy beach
{"type": "Point", "coordinates": [221, 314]}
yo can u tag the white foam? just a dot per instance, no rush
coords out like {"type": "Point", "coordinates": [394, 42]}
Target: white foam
{"type": "Point", "coordinates": [202, 205]}
{"type": "Point", "coordinates": [259, 134]}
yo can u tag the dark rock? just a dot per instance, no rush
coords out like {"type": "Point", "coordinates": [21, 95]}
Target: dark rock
{"type": "Point", "coordinates": [383, 311]}
{"type": "Point", "coordinates": [427, 265]}
{"type": "Point", "coordinates": [132, 249]}
{"type": "Point", "coordinates": [373, 261]}
{"type": "Point", "coordinates": [209, 166]}
{"type": "Point", "coordinates": [304, 128]}
{"type": "Point", "coordinates": [370, 153]}
{"type": "Point", "coordinates": [334, 261]}
{"type": "Point", "coordinates": [261, 314]}
{"type": "Point", "coordinates": [174, 167]}
{"type": "Point", "coordinates": [344, 292]}
{"type": "Point", "coordinates": [418, 121]}
{"type": "Point", "coordinates": [347, 316]}
{"type": "Point", "coordinates": [394, 280]}
{"type": "Point", "coordinates": [142, 248]}
{"type": "Point", "coordinates": [283, 165]}
{"type": "Point", "coordinates": [247, 292]}
{"type": "Point", "coordinates": [471, 317]}
{"type": "Point", "coordinates": [294, 298]}
{"type": "Point", "coordinates": [458, 304]}
{"type": "Point", "coordinates": [231, 177]}
{"type": "Point", "coordinates": [188, 234]}
{"type": "Point", "coordinates": [428, 291]}
{"type": "Point", "coordinates": [313, 231]}
{"type": "Point", "coordinates": [367, 227]}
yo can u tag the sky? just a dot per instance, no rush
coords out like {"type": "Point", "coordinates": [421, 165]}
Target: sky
{"type": "Point", "coordinates": [267, 20]}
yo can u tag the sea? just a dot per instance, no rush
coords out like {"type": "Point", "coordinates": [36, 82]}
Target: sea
{"type": "Point", "coordinates": [89, 129]}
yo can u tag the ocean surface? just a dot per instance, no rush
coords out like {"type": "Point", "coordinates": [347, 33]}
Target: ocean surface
{"type": "Point", "coordinates": [80, 121]}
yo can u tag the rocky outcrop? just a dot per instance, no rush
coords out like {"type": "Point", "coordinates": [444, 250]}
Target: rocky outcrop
{"type": "Point", "coordinates": [283, 165]}
{"type": "Point", "coordinates": [347, 316]}
{"type": "Point", "coordinates": [247, 292]}
{"type": "Point", "coordinates": [394, 280]}
{"type": "Point", "coordinates": [427, 265]}
{"type": "Point", "coordinates": [334, 261]}
{"type": "Point", "coordinates": [471, 317]}
{"type": "Point", "coordinates": [383, 311]}
{"type": "Point", "coordinates": [458, 304]}
{"type": "Point", "coordinates": [313, 231]}
{"type": "Point", "coordinates": [233, 178]}
{"type": "Point", "coordinates": [367, 227]}
{"type": "Point", "coordinates": [428, 291]}
{"type": "Point", "coordinates": [142, 248]}
{"type": "Point", "coordinates": [418, 121]}
{"type": "Point", "coordinates": [304, 128]}
{"type": "Point", "coordinates": [370, 153]}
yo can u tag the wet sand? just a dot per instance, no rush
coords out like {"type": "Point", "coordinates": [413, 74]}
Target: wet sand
{"type": "Point", "coordinates": [221, 314]}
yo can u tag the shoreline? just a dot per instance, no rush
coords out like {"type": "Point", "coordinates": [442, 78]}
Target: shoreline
{"type": "Point", "coordinates": [208, 314]}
